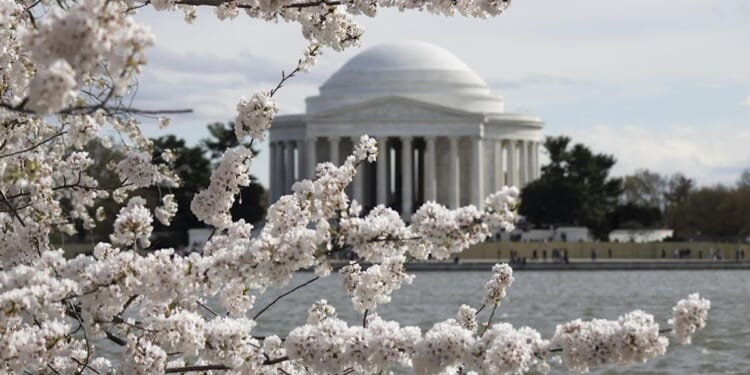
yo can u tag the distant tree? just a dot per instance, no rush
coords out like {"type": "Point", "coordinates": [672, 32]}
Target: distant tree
{"type": "Point", "coordinates": [252, 202]}
{"type": "Point", "coordinates": [716, 212]}
{"type": "Point", "coordinates": [744, 180]}
{"type": "Point", "coordinates": [644, 188]}
{"type": "Point", "coordinates": [634, 216]}
{"type": "Point", "coordinates": [574, 188]}
{"type": "Point", "coordinates": [678, 189]}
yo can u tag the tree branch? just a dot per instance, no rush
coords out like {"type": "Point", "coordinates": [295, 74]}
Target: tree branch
{"type": "Point", "coordinates": [215, 3]}
{"type": "Point", "coordinates": [11, 208]}
{"type": "Point", "coordinates": [30, 148]}
{"type": "Point", "coordinates": [173, 370]}
{"type": "Point", "coordinates": [306, 283]}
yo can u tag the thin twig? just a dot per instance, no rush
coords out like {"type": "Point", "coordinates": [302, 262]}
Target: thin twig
{"type": "Point", "coordinates": [306, 283]}
{"type": "Point", "coordinates": [11, 208]}
{"type": "Point", "coordinates": [203, 305]}
{"type": "Point", "coordinates": [489, 321]}
{"type": "Point", "coordinates": [215, 3]}
{"type": "Point", "coordinates": [480, 309]}
{"type": "Point", "coordinates": [115, 339]}
{"type": "Point", "coordinates": [32, 147]}
{"type": "Point", "coordinates": [173, 370]}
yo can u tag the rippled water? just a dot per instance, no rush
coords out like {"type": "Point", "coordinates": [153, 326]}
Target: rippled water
{"type": "Point", "coordinates": [544, 299]}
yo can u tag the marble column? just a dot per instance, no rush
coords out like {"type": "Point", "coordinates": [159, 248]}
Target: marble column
{"type": "Point", "coordinates": [499, 165]}
{"type": "Point", "coordinates": [382, 172]}
{"type": "Point", "coordinates": [454, 192]}
{"type": "Point", "coordinates": [311, 157]}
{"type": "Point", "coordinates": [272, 185]}
{"type": "Point", "coordinates": [406, 177]}
{"type": "Point", "coordinates": [477, 172]}
{"type": "Point", "coordinates": [512, 167]}
{"type": "Point", "coordinates": [522, 164]}
{"type": "Point", "coordinates": [278, 173]}
{"type": "Point", "coordinates": [358, 189]}
{"type": "Point", "coordinates": [430, 174]}
{"type": "Point", "coordinates": [288, 165]}
{"type": "Point", "coordinates": [530, 161]}
{"type": "Point", "coordinates": [334, 150]}
{"type": "Point", "coordinates": [537, 170]}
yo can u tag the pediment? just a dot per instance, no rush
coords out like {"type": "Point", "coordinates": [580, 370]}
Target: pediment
{"type": "Point", "coordinates": [396, 110]}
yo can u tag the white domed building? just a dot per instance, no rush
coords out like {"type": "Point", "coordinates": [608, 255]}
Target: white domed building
{"type": "Point", "coordinates": [443, 136]}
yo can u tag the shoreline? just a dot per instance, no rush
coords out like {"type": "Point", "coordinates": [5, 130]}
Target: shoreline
{"type": "Point", "coordinates": [604, 265]}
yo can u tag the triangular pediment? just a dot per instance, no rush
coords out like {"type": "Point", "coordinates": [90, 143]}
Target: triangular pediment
{"type": "Point", "coordinates": [394, 109]}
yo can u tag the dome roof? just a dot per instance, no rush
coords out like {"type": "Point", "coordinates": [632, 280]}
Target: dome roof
{"type": "Point", "coordinates": [406, 55]}
{"type": "Point", "coordinates": [411, 69]}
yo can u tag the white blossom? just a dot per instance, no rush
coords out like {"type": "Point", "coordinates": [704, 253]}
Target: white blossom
{"type": "Point", "coordinates": [445, 344]}
{"type": "Point", "coordinates": [633, 338]}
{"type": "Point", "coordinates": [254, 116]}
{"type": "Point", "coordinates": [502, 278]}
{"type": "Point", "coordinates": [51, 89]}
{"type": "Point", "coordinates": [688, 317]}
{"type": "Point", "coordinates": [212, 204]}
{"type": "Point", "coordinates": [506, 350]}
{"type": "Point", "coordinates": [133, 225]}
{"type": "Point", "coordinates": [167, 210]}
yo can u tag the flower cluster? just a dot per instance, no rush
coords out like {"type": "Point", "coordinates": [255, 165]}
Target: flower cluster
{"type": "Point", "coordinates": [330, 345]}
{"type": "Point", "coordinates": [51, 89]}
{"type": "Point", "coordinates": [212, 205]}
{"type": "Point", "coordinates": [502, 278]}
{"type": "Point", "coordinates": [505, 350]}
{"type": "Point", "coordinates": [444, 232]}
{"type": "Point", "coordinates": [633, 338]}
{"type": "Point", "coordinates": [446, 344]}
{"type": "Point", "coordinates": [167, 210]}
{"type": "Point", "coordinates": [72, 44]}
{"type": "Point", "coordinates": [689, 316]}
{"type": "Point", "coordinates": [138, 169]}
{"type": "Point", "coordinates": [375, 285]}
{"type": "Point", "coordinates": [254, 116]}
{"type": "Point", "coordinates": [133, 225]}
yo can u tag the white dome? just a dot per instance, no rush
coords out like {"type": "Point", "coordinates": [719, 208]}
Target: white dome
{"type": "Point", "coordinates": [407, 55]}
{"type": "Point", "coordinates": [411, 69]}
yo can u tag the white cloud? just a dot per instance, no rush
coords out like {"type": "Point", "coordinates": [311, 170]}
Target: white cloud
{"type": "Point", "coordinates": [746, 102]}
{"type": "Point", "coordinates": [711, 155]}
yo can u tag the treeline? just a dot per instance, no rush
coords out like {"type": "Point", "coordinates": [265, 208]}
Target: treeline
{"type": "Point", "coordinates": [575, 188]}
{"type": "Point", "coordinates": [194, 166]}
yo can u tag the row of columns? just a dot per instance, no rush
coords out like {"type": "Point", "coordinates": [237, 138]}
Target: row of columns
{"type": "Point", "coordinates": [523, 166]}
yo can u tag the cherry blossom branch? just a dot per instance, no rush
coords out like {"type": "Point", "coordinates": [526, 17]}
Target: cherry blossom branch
{"type": "Point", "coordinates": [85, 363]}
{"type": "Point", "coordinates": [174, 370]}
{"type": "Point", "coordinates": [277, 299]}
{"type": "Point", "coordinates": [216, 3]}
{"type": "Point", "coordinates": [88, 109]}
{"type": "Point", "coordinates": [31, 148]}
{"type": "Point", "coordinates": [12, 208]}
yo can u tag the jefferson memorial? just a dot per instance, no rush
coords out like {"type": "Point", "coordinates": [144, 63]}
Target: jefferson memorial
{"type": "Point", "coordinates": [442, 135]}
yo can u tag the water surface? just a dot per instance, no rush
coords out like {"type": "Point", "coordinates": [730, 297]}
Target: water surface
{"type": "Point", "coordinates": [544, 299]}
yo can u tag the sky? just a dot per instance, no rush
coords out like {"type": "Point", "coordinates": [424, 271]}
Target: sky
{"type": "Point", "coordinates": [662, 85]}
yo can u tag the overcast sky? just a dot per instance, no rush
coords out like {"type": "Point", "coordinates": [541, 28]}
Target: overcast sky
{"type": "Point", "coordinates": [663, 85]}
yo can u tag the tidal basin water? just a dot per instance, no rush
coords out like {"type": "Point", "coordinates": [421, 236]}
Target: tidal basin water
{"type": "Point", "coordinates": [543, 299]}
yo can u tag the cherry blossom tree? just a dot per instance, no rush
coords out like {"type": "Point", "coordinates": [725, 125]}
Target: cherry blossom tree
{"type": "Point", "coordinates": [65, 71]}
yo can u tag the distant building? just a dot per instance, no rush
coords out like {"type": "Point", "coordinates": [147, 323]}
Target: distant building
{"type": "Point", "coordinates": [562, 234]}
{"type": "Point", "coordinates": [640, 235]}
{"type": "Point", "coordinates": [443, 135]}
